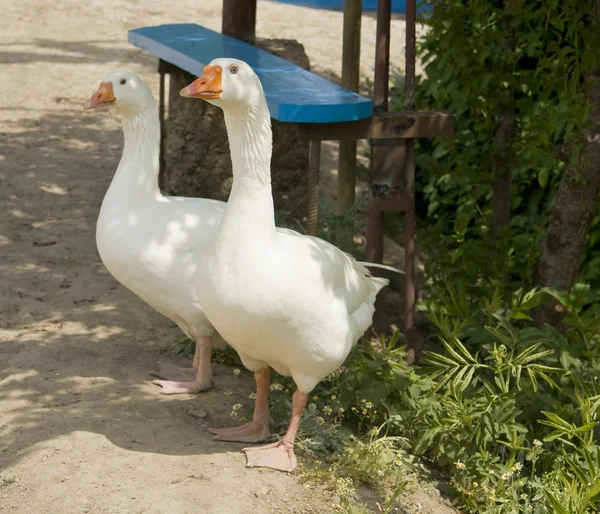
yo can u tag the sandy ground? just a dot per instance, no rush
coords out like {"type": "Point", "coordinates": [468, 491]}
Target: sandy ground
{"type": "Point", "coordinates": [82, 429]}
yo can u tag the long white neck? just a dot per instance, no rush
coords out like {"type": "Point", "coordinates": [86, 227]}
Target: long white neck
{"type": "Point", "coordinates": [250, 205]}
{"type": "Point", "coordinates": [137, 175]}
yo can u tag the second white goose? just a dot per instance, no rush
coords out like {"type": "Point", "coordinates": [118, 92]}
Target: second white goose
{"type": "Point", "coordinates": [151, 243]}
{"type": "Point", "coordinates": [292, 302]}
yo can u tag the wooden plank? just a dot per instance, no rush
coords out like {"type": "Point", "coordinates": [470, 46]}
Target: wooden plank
{"type": "Point", "coordinates": [388, 125]}
{"type": "Point", "coordinates": [393, 201]}
{"type": "Point", "coordinates": [293, 94]}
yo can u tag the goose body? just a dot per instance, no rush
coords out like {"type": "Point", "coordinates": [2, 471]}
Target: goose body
{"type": "Point", "coordinates": [283, 300]}
{"type": "Point", "coordinates": [299, 303]}
{"type": "Point", "coordinates": [152, 243]}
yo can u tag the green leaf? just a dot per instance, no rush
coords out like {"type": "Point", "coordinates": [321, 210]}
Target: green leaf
{"type": "Point", "coordinates": [543, 178]}
{"type": "Point", "coordinates": [557, 506]}
{"type": "Point", "coordinates": [593, 494]}
{"type": "Point", "coordinates": [557, 420]}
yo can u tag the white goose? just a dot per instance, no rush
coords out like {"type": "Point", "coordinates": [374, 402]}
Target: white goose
{"type": "Point", "coordinates": [292, 302]}
{"type": "Point", "coordinates": [152, 243]}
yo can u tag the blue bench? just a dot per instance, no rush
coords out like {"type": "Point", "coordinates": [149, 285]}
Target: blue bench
{"type": "Point", "coordinates": [321, 109]}
{"type": "Point", "coordinates": [294, 95]}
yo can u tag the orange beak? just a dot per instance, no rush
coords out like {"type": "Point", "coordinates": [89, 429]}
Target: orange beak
{"type": "Point", "coordinates": [207, 87]}
{"type": "Point", "coordinates": [104, 96]}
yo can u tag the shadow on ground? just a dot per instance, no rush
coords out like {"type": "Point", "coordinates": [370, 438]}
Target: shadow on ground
{"type": "Point", "coordinates": [76, 347]}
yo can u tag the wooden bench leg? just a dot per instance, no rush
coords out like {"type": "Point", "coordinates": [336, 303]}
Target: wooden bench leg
{"type": "Point", "coordinates": [314, 168]}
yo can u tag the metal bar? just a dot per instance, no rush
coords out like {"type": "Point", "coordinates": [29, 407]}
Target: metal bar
{"type": "Point", "coordinates": [314, 168]}
{"type": "Point", "coordinates": [411, 48]}
{"type": "Point", "coordinates": [161, 119]}
{"type": "Point", "coordinates": [239, 19]}
{"type": "Point", "coordinates": [346, 181]}
{"type": "Point", "coordinates": [409, 263]}
{"type": "Point", "coordinates": [409, 220]}
{"type": "Point", "coordinates": [382, 56]}
{"type": "Point", "coordinates": [380, 104]}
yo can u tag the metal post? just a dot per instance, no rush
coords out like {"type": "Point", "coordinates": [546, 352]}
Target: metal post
{"type": "Point", "coordinates": [161, 120]}
{"type": "Point", "coordinates": [314, 167]}
{"type": "Point", "coordinates": [239, 19]}
{"type": "Point", "coordinates": [382, 55]}
{"type": "Point", "coordinates": [409, 219]}
{"type": "Point", "coordinates": [379, 150]}
{"type": "Point", "coordinates": [374, 251]}
{"type": "Point", "coordinates": [346, 182]}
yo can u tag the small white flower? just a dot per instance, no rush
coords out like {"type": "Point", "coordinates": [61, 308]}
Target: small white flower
{"type": "Point", "coordinates": [228, 393]}
{"type": "Point", "coordinates": [233, 414]}
{"type": "Point", "coordinates": [252, 396]}
{"type": "Point", "coordinates": [236, 372]}
{"type": "Point", "coordinates": [537, 443]}
{"type": "Point", "coordinates": [460, 465]}
{"type": "Point", "coordinates": [327, 410]}
{"type": "Point", "coordinates": [506, 475]}
{"type": "Point", "coordinates": [320, 420]}
{"type": "Point", "coordinates": [518, 466]}
{"type": "Point", "coordinates": [312, 406]}
{"type": "Point", "coordinates": [276, 387]}
{"type": "Point", "coordinates": [333, 396]}
{"type": "Point", "coordinates": [369, 405]}
{"type": "Point", "coordinates": [237, 406]}
{"type": "Point", "coordinates": [398, 461]}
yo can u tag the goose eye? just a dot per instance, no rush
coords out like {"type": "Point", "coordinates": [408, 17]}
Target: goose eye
{"type": "Point", "coordinates": [233, 69]}
{"type": "Point", "coordinates": [123, 82]}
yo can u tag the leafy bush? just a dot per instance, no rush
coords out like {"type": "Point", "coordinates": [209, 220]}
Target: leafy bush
{"type": "Point", "coordinates": [507, 409]}
{"type": "Point", "coordinates": [488, 63]}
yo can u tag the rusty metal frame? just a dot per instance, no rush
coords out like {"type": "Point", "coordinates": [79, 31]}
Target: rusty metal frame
{"type": "Point", "coordinates": [399, 197]}
{"type": "Point", "coordinates": [391, 134]}
{"type": "Point", "coordinates": [382, 125]}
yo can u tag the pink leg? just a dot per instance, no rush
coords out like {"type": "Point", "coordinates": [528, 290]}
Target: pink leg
{"type": "Point", "coordinates": [169, 371]}
{"type": "Point", "coordinates": [280, 455]}
{"type": "Point", "coordinates": [189, 383]}
{"type": "Point", "coordinates": [259, 429]}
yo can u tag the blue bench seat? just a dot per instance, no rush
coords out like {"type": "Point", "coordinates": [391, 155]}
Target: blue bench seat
{"type": "Point", "coordinates": [294, 95]}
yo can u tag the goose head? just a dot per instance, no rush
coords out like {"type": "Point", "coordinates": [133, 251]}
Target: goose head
{"type": "Point", "coordinates": [227, 83]}
{"type": "Point", "coordinates": [124, 90]}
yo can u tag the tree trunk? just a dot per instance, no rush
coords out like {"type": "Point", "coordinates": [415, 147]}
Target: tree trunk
{"type": "Point", "coordinates": [573, 211]}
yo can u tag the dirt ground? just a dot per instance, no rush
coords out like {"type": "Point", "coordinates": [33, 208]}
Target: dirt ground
{"type": "Point", "coordinates": [82, 429]}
